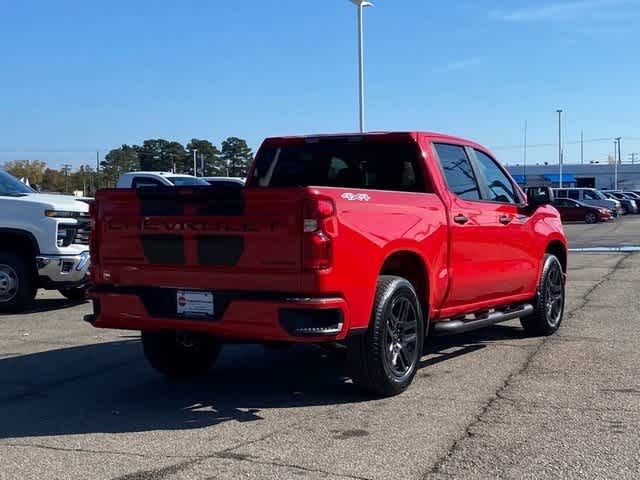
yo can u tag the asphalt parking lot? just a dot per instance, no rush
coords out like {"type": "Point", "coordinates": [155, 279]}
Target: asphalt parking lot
{"type": "Point", "coordinates": [622, 232]}
{"type": "Point", "coordinates": [78, 403]}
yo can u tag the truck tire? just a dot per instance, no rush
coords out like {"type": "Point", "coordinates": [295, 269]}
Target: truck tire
{"type": "Point", "coordinates": [385, 359]}
{"type": "Point", "coordinates": [76, 294]}
{"type": "Point", "coordinates": [549, 302]}
{"type": "Point", "coordinates": [17, 283]}
{"type": "Point", "coordinates": [180, 355]}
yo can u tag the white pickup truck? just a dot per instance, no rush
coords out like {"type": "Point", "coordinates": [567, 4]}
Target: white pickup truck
{"type": "Point", "coordinates": [44, 243]}
{"type": "Point", "coordinates": [158, 179]}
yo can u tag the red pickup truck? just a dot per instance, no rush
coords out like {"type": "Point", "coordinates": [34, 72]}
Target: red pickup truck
{"type": "Point", "coordinates": [371, 240]}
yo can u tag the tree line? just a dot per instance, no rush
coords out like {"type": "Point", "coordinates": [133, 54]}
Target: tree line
{"type": "Point", "coordinates": [230, 160]}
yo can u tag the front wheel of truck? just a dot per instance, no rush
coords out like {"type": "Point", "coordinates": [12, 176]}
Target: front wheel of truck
{"type": "Point", "coordinates": [180, 355]}
{"type": "Point", "coordinates": [385, 359]}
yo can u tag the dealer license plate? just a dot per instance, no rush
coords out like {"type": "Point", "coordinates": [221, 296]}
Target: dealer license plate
{"type": "Point", "coordinates": [195, 304]}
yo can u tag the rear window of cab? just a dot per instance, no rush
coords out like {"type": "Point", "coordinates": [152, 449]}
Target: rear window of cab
{"type": "Point", "coordinates": [394, 166]}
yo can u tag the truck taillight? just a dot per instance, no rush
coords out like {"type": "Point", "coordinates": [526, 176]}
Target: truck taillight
{"type": "Point", "coordinates": [319, 228]}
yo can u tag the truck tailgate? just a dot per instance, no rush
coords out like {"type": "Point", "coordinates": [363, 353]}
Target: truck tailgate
{"type": "Point", "coordinates": [199, 237]}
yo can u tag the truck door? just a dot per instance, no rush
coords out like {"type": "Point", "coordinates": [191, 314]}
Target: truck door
{"type": "Point", "coordinates": [519, 260]}
{"type": "Point", "coordinates": [476, 265]}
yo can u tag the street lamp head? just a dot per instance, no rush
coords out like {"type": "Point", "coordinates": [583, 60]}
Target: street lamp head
{"type": "Point", "coordinates": [364, 3]}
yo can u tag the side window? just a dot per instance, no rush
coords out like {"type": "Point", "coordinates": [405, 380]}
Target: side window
{"type": "Point", "coordinates": [561, 193]}
{"type": "Point", "coordinates": [457, 171]}
{"type": "Point", "coordinates": [589, 195]}
{"type": "Point", "coordinates": [499, 187]}
{"type": "Point", "coordinates": [574, 194]}
{"type": "Point", "coordinates": [139, 182]}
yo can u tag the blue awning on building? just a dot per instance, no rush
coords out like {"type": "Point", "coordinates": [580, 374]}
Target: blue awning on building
{"type": "Point", "coordinates": [520, 179]}
{"type": "Point", "coordinates": [555, 178]}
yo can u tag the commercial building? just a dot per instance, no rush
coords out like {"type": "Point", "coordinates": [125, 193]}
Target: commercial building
{"type": "Point", "coordinates": [601, 176]}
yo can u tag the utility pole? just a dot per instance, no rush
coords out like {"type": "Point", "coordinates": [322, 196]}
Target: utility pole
{"type": "Point", "coordinates": [616, 160]}
{"type": "Point", "coordinates": [582, 147]}
{"type": "Point", "coordinates": [633, 157]}
{"type": "Point", "coordinates": [65, 168]}
{"type": "Point", "coordinates": [97, 169]}
{"type": "Point", "coordinates": [619, 139]}
{"type": "Point", "coordinates": [195, 165]}
{"type": "Point", "coordinates": [559, 111]}
{"type": "Point", "coordinates": [524, 167]}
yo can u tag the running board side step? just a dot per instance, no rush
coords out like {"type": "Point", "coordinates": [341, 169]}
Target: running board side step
{"type": "Point", "coordinates": [454, 326]}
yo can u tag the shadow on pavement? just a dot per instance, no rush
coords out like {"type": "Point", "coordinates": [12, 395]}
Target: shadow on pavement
{"type": "Point", "coordinates": [108, 387]}
{"type": "Point", "coordinates": [438, 348]}
{"type": "Point", "coordinates": [44, 305]}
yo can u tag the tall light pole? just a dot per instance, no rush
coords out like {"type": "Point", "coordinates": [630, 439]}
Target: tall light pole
{"type": "Point", "coordinates": [195, 165]}
{"type": "Point", "coordinates": [616, 142]}
{"type": "Point", "coordinates": [559, 111]}
{"type": "Point", "coordinates": [361, 4]}
{"type": "Point", "coordinates": [615, 163]}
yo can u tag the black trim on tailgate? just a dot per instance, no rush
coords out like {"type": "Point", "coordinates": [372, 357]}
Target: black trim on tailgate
{"type": "Point", "coordinates": [223, 202]}
{"type": "Point", "coordinates": [217, 201]}
{"type": "Point", "coordinates": [159, 201]}
{"type": "Point", "coordinates": [163, 249]}
{"type": "Point", "coordinates": [220, 249]}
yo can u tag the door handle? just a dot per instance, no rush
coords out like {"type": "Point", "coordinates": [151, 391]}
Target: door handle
{"type": "Point", "coordinates": [461, 219]}
{"type": "Point", "coordinates": [506, 219]}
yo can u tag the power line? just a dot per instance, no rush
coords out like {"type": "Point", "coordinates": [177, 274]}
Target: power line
{"type": "Point", "coordinates": [53, 150]}
{"type": "Point", "coordinates": [537, 145]}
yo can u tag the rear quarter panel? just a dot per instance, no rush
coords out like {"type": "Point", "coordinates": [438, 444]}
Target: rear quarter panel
{"type": "Point", "coordinates": [372, 226]}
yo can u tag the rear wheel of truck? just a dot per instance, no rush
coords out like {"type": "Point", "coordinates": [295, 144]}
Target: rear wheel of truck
{"type": "Point", "coordinates": [17, 283]}
{"type": "Point", "coordinates": [180, 355]}
{"type": "Point", "coordinates": [385, 359]}
{"type": "Point", "coordinates": [74, 294]}
{"type": "Point", "coordinates": [549, 302]}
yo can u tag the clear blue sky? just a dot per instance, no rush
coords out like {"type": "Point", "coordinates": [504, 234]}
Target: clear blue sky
{"type": "Point", "coordinates": [76, 76]}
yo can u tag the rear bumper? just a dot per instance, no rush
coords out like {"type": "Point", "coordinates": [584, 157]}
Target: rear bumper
{"type": "Point", "coordinates": [243, 316]}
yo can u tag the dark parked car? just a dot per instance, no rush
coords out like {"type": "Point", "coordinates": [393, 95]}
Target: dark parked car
{"type": "Point", "coordinates": [635, 196]}
{"type": "Point", "coordinates": [628, 203]}
{"type": "Point", "coordinates": [574, 211]}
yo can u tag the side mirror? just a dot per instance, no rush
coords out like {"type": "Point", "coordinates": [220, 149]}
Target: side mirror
{"type": "Point", "coordinates": [538, 196]}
